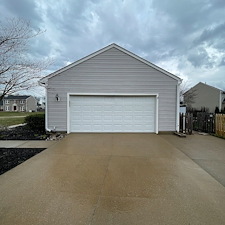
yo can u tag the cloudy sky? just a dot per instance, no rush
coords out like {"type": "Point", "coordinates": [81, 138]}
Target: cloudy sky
{"type": "Point", "coordinates": [185, 37]}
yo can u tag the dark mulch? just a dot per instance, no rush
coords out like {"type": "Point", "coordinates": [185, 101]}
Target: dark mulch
{"type": "Point", "coordinates": [22, 133]}
{"type": "Point", "coordinates": [11, 157]}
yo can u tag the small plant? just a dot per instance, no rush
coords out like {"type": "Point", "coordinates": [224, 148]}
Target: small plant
{"type": "Point", "coordinates": [36, 122]}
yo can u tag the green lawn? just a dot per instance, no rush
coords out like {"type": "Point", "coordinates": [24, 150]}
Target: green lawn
{"type": "Point", "coordinates": [18, 113]}
{"type": "Point", "coordinates": [13, 121]}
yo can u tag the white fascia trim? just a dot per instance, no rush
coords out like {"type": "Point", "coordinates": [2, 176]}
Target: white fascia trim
{"type": "Point", "coordinates": [147, 62]}
{"type": "Point", "coordinates": [156, 95]}
{"type": "Point", "coordinates": [44, 79]}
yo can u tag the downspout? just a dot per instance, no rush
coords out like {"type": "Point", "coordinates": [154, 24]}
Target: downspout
{"type": "Point", "coordinates": [178, 107]}
{"type": "Point", "coordinates": [45, 85]}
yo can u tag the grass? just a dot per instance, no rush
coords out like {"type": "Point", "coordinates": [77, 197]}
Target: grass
{"type": "Point", "coordinates": [11, 121]}
{"type": "Point", "coordinates": [5, 122]}
{"type": "Point", "coordinates": [18, 113]}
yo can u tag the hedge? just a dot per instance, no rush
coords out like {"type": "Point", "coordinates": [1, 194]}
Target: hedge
{"type": "Point", "coordinates": [36, 122]}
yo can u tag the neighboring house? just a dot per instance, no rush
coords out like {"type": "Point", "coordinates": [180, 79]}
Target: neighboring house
{"type": "Point", "coordinates": [19, 103]}
{"type": "Point", "coordinates": [204, 95]}
{"type": "Point", "coordinates": [112, 90]}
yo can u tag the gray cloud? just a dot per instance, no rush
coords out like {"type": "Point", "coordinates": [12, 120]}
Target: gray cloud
{"type": "Point", "coordinates": [200, 58]}
{"type": "Point", "coordinates": [213, 36]}
{"type": "Point", "coordinates": [185, 36]}
{"type": "Point", "coordinates": [25, 9]}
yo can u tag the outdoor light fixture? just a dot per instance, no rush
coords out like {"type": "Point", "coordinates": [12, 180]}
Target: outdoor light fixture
{"type": "Point", "coordinates": [57, 97]}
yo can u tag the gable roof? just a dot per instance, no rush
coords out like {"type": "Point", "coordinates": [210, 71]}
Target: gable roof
{"type": "Point", "coordinates": [201, 83]}
{"type": "Point", "coordinates": [44, 79]}
{"type": "Point", "coordinates": [16, 97]}
{"type": "Point", "coordinates": [210, 86]}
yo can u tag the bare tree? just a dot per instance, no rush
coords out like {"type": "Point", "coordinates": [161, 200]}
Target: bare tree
{"type": "Point", "coordinates": [189, 97]}
{"type": "Point", "coordinates": [17, 71]}
{"type": "Point", "coordinates": [187, 94]}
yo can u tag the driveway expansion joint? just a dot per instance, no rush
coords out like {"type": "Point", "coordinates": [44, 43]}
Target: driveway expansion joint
{"type": "Point", "coordinates": [100, 195]}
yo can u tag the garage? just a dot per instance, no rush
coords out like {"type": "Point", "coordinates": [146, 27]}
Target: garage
{"type": "Point", "coordinates": [112, 114]}
{"type": "Point", "coordinates": [112, 90]}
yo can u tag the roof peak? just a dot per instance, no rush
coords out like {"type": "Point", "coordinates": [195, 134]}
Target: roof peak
{"type": "Point", "coordinates": [106, 48]}
{"type": "Point", "coordinates": [209, 86]}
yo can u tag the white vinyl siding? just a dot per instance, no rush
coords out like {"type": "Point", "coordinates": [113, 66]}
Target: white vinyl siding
{"type": "Point", "coordinates": [112, 114]}
{"type": "Point", "coordinates": [113, 72]}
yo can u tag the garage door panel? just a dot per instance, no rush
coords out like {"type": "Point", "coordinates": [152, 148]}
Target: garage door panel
{"type": "Point", "coordinates": [112, 114]}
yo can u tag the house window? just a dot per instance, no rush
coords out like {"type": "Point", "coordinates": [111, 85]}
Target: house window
{"type": "Point", "coordinates": [6, 101]}
{"type": "Point", "coordinates": [7, 108]}
{"type": "Point", "coordinates": [21, 101]}
{"type": "Point", "coordinates": [21, 108]}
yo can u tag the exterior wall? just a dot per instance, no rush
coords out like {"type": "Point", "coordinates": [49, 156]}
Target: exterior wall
{"type": "Point", "coordinates": [206, 96]}
{"type": "Point", "coordinates": [31, 104]}
{"type": "Point", "coordinates": [112, 71]}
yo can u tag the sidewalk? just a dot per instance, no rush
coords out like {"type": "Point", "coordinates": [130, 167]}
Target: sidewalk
{"type": "Point", "coordinates": [26, 144]}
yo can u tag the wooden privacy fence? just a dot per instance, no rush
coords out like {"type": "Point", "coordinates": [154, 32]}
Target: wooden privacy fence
{"type": "Point", "coordinates": [186, 123]}
{"type": "Point", "coordinates": [220, 125]}
{"type": "Point", "coordinates": [204, 122]}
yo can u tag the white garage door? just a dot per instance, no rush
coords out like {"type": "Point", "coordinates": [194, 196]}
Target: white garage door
{"type": "Point", "coordinates": [112, 114]}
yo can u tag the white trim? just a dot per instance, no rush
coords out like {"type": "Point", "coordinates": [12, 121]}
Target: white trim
{"type": "Point", "coordinates": [156, 95]}
{"type": "Point", "coordinates": [46, 110]}
{"type": "Point", "coordinates": [178, 108]}
{"type": "Point", "coordinates": [114, 94]}
{"type": "Point", "coordinates": [157, 115]}
{"type": "Point", "coordinates": [68, 112]}
{"type": "Point", "coordinates": [43, 81]}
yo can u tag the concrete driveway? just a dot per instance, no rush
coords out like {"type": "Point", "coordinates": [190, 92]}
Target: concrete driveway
{"type": "Point", "coordinates": [207, 151]}
{"type": "Point", "coordinates": [94, 179]}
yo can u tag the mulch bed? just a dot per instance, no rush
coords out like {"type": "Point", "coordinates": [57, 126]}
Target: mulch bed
{"type": "Point", "coordinates": [22, 133]}
{"type": "Point", "coordinates": [11, 157]}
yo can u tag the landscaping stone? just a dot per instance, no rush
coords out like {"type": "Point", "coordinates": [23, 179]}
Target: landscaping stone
{"type": "Point", "coordinates": [22, 133]}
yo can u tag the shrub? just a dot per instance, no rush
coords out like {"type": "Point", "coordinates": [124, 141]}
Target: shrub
{"type": "Point", "coordinates": [217, 110]}
{"type": "Point", "coordinates": [36, 122]}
